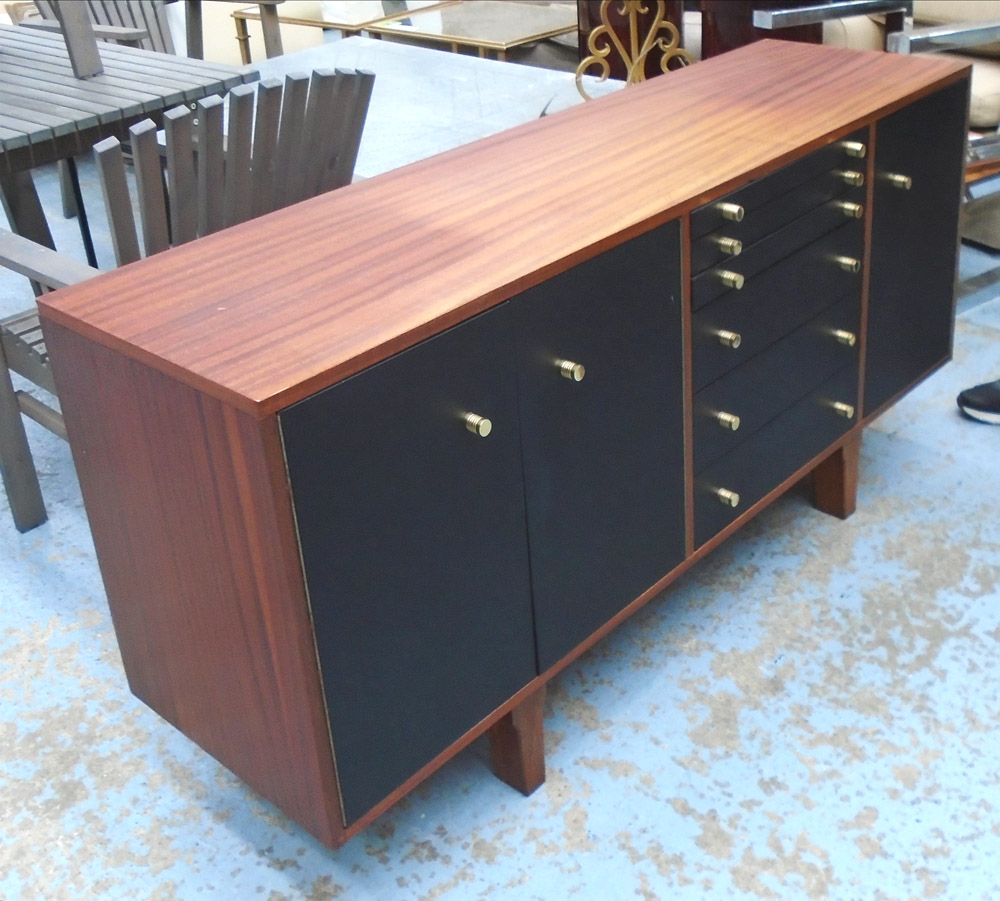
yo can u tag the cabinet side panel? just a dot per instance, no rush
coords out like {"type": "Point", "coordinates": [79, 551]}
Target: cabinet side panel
{"type": "Point", "coordinates": [194, 535]}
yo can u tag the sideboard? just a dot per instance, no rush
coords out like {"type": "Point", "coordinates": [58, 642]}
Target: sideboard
{"type": "Point", "coordinates": [364, 474]}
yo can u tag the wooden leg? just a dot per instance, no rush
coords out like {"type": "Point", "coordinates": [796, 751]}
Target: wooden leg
{"type": "Point", "coordinates": [66, 190]}
{"type": "Point", "coordinates": [835, 480]}
{"type": "Point", "coordinates": [194, 30]}
{"type": "Point", "coordinates": [24, 211]}
{"type": "Point", "coordinates": [243, 39]}
{"type": "Point", "coordinates": [17, 468]}
{"type": "Point", "coordinates": [517, 745]}
{"type": "Point", "coordinates": [272, 30]}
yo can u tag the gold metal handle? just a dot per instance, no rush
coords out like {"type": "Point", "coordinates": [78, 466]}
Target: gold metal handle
{"type": "Point", "coordinates": [848, 264]}
{"type": "Point", "coordinates": [842, 409]}
{"type": "Point", "coordinates": [855, 149]}
{"type": "Point", "coordinates": [727, 497]}
{"type": "Point", "coordinates": [729, 339]}
{"type": "Point", "coordinates": [845, 337]}
{"type": "Point", "coordinates": [730, 245]}
{"type": "Point", "coordinates": [570, 370]}
{"type": "Point", "coordinates": [903, 182]}
{"type": "Point", "coordinates": [731, 211]}
{"type": "Point", "coordinates": [849, 176]}
{"type": "Point", "coordinates": [851, 210]}
{"type": "Point", "coordinates": [728, 420]}
{"type": "Point", "coordinates": [730, 279]}
{"type": "Point", "coordinates": [478, 425]}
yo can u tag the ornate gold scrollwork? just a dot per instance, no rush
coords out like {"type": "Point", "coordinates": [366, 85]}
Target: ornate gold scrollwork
{"type": "Point", "coordinates": [634, 57]}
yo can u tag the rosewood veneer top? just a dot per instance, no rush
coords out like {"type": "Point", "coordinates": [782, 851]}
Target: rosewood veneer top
{"type": "Point", "coordinates": [266, 313]}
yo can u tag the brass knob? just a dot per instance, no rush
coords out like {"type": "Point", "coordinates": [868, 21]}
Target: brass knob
{"type": "Point", "coordinates": [730, 279]}
{"type": "Point", "coordinates": [572, 371]}
{"type": "Point", "coordinates": [728, 420]}
{"type": "Point", "coordinates": [731, 211]}
{"type": "Point", "coordinates": [903, 182]}
{"type": "Point", "coordinates": [729, 339]}
{"type": "Point", "coordinates": [842, 409]}
{"type": "Point", "coordinates": [856, 179]}
{"type": "Point", "coordinates": [854, 148]}
{"type": "Point", "coordinates": [730, 245]}
{"type": "Point", "coordinates": [727, 497]}
{"type": "Point", "coordinates": [845, 337]}
{"type": "Point", "coordinates": [478, 425]}
{"type": "Point", "coordinates": [851, 210]}
{"type": "Point", "coordinates": [848, 264]}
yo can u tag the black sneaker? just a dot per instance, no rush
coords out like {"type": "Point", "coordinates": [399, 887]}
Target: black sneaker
{"type": "Point", "coordinates": [982, 402]}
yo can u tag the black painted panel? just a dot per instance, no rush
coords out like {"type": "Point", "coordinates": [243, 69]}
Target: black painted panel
{"type": "Point", "coordinates": [767, 252]}
{"type": "Point", "coordinates": [706, 251]}
{"type": "Point", "coordinates": [766, 459]}
{"type": "Point", "coordinates": [914, 243]}
{"type": "Point", "coordinates": [773, 380]}
{"type": "Point", "coordinates": [412, 534]}
{"type": "Point", "coordinates": [774, 303]}
{"type": "Point", "coordinates": [763, 190]}
{"type": "Point", "coordinates": [603, 456]}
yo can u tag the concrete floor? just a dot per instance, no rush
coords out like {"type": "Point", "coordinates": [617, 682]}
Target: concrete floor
{"type": "Point", "coordinates": [812, 712]}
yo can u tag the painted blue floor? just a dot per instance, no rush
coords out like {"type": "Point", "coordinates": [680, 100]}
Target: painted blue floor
{"type": "Point", "coordinates": [812, 712]}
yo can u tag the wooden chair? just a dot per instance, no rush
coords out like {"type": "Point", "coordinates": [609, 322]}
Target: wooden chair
{"type": "Point", "coordinates": [138, 23]}
{"type": "Point", "coordinates": [299, 139]}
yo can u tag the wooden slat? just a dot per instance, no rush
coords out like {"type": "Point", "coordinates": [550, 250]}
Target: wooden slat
{"type": "Point", "coordinates": [211, 172]}
{"type": "Point", "coordinates": [288, 156]}
{"type": "Point", "coordinates": [265, 142]}
{"type": "Point", "coordinates": [111, 170]}
{"type": "Point", "coordinates": [149, 187]}
{"type": "Point", "coordinates": [319, 139]}
{"type": "Point", "coordinates": [353, 129]}
{"type": "Point", "coordinates": [81, 45]}
{"type": "Point", "coordinates": [239, 152]}
{"type": "Point", "coordinates": [363, 272]}
{"type": "Point", "coordinates": [183, 186]}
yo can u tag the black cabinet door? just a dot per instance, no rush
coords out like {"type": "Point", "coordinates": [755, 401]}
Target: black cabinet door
{"type": "Point", "coordinates": [919, 153]}
{"type": "Point", "coordinates": [412, 536]}
{"type": "Point", "coordinates": [603, 456]}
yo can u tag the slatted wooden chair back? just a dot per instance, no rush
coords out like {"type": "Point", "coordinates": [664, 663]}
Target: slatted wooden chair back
{"type": "Point", "coordinates": [149, 15]}
{"type": "Point", "coordinates": [298, 140]}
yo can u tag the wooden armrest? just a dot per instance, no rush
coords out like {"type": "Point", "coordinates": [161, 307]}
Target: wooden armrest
{"type": "Point", "coordinates": [944, 37]}
{"type": "Point", "coordinates": [47, 267]}
{"type": "Point", "coordinates": [102, 32]}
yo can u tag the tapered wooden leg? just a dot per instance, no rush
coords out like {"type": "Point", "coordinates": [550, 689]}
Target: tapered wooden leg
{"type": "Point", "coordinates": [17, 468]}
{"type": "Point", "coordinates": [517, 745]}
{"type": "Point", "coordinates": [835, 480]}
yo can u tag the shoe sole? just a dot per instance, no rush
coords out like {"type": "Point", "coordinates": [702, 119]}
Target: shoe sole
{"type": "Point", "coordinates": [981, 415]}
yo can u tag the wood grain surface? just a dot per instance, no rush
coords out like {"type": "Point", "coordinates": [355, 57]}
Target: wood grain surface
{"type": "Point", "coordinates": [204, 585]}
{"type": "Point", "coordinates": [267, 312]}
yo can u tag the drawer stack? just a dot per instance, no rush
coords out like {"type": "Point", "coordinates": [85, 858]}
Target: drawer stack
{"type": "Point", "coordinates": [775, 296]}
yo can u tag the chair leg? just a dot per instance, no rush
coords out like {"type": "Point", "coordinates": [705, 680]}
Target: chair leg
{"type": "Point", "coordinates": [66, 190]}
{"type": "Point", "coordinates": [17, 467]}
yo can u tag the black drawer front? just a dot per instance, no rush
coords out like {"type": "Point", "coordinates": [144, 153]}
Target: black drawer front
{"type": "Point", "coordinates": [774, 380]}
{"type": "Point", "coordinates": [712, 249]}
{"type": "Point", "coordinates": [776, 303]}
{"type": "Point", "coordinates": [709, 217]}
{"type": "Point", "coordinates": [771, 250]}
{"type": "Point", "coordinates": [771, 455]}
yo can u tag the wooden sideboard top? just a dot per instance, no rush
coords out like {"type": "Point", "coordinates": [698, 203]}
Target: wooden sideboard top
{"type": "Point", "coordinates": [268, 312]}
